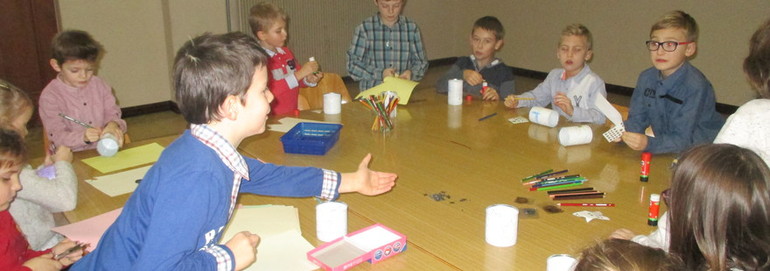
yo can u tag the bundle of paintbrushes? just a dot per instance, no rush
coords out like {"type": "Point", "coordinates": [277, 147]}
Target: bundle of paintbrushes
{"type": "Point", "coordinates": [550, 180]}
{"type": "Point", "coordinates": [384, 107]}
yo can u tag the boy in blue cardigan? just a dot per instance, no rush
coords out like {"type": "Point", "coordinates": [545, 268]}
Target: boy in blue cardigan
{"type": "Point", "coordinates": [175, 218]}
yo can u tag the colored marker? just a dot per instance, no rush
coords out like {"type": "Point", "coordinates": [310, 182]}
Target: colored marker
{"type": "Point", "coordinates": [69, 251]}
{"type": "Point", "coordinates": [536, 175]}
{"type": "Point", "coordinates": [554, 180]}
{"type": "Point", "coordinates": [75, 120]}
{"type": "Point", "coordinates": [586, 196]}
{"type": "Point", "coordinates": [587, 204]}
{"type": "Point", "coordinates": [555, 183]}
{"type": "Point", "coordinates": [552, 173]}
{"type": "Point", "coordinates": [488, 116]}
{"type": "Point", "coordinates": [554, 187]}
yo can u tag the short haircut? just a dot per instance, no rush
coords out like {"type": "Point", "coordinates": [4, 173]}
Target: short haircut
{"type": "Point", "coordinates": [757, 64]}
{"type": "Point", "coordinates": [492, 24]}
{"type": "Point", "coordinates": [209, 68]}
{"type": "Point", "coordinates": [12, 101]}
{"type": "Point", "coordinates": [74, 45]}
{"type": "Point", "coordinates": [625, 255]}
{"type": "Point", "coordinates": [263, 15]}
{"type": "Point", "coordinates": [579, 30]}
{"type": "Point", "coordinates": [12, 150]}
{"type": "Point", "coordinates": [678, 19]}
{"type": "Point", "coordinates": [719, 209]}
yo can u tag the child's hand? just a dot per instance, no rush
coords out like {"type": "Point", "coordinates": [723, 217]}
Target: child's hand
{"type": "Point", "coordinates": [562, 101]}
{"type": "Point", "coordinates": [472, 77]}
{"type": "Point", "coordinates": [244, 247]}
{"type": "Point", "coordinates": [511, 101]}
{"type": "Point", "coordinates": [70, 258]}
{"type": "Point", "coordinates": [114, 129]}
{"type": "Point", "coordinates": [635, 141]}
{"type": "Point", "coordinates": [406, 75]}
{"type": "Point", "coordinates": [43, 262]}
{"type": "Point", "coordinates": [92, 135]}
{"type": "Point", "coordinates": [388, 72]}
{"type": "Point", "coordinates": [624, 234]}
{"type": "Point", "coordinates": [315, 77]}
{"type": "Point", "coordinates": [63, 153]}
{"type": "Point", "coordinates": [491, 95]}
{"type": "Point", "coordinates": [306, 70]}
{"type": "Point", "coordinates": [366, 181]}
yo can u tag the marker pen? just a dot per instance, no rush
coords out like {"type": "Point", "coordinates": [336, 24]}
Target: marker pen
{"type": "Point", "coordinates": [652, 216]}
{"type": "Point", "coordinates": [645, 175]}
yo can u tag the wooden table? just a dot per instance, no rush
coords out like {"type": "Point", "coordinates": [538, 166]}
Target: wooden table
{"type": "Point", "coordinates": [439, 148]}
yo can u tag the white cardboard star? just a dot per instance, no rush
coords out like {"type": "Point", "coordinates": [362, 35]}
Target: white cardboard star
{"type": "Point", "coordinates": [588, 215]}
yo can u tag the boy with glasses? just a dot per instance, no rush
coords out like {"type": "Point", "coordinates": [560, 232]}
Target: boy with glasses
{"type": "Point", "coordinates": [673, 98]}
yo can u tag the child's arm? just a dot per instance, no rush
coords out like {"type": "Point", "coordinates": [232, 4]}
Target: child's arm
{"type": "Point", "coordinates": [358, 65]}
{"type": "Point", "coordinates": [542, 93]}
{"type": "Point", "coordinates": [367, 181]}
{"type": "Point", "coordinates": [418, 63]}
{"type": "Point", "coordinates": [589, 113]}
{"type": "Point", "coordinates": [657, 239]}
{"type": "Point", "coordinates": [244, 247]}
{"type": "Point", "coordinates": [55, 195]}
{"type": "Point", "coordinates": [57, 128]}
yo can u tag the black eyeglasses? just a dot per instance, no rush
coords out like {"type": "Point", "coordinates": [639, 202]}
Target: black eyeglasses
{"type": "Point", "coordinates": [668, 46]}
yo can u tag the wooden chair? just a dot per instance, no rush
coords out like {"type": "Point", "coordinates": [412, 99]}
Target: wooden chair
{"type": "Point", "coordinates": [313, 97]}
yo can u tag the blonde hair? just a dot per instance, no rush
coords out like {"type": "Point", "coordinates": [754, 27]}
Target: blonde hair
{"type": "Point", "coordinates": [263, 15]}
{"type": "Point", "coordinates": [677, 19]}
{"type": "Point", "coordinates": [579, 30]}
{"type": "Point", "coordinates": [12, 102]}
{"type": "Point", "coordinates": [624, 255]}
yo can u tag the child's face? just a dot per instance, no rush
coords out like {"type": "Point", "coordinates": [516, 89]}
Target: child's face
{"type": "Point", "coordinates": [20, 122]}
{"type": "Point", "coordinates": [274, 37]}
{"type": "Point", "coordinates": [9, 185]}
{"type": "Point", "coordinates": [75, 73]}
{"type": "Point", "coordinates": [573, 53]}
{"type": "Point", "coordinates": [389, 10]}
{"type": "Point", "coordinates": [484, 44]}
{"type": "Point", "coordinates": [668, 62]}
{"type": "Point", "coordinates": [257, 103]}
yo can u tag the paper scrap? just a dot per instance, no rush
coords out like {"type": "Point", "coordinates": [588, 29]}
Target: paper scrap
{"type": "Point", "coordinates": [90, 230]}
{"type": "Point", "coordinates": [127, 158]}
{"type": "Point", "coordinates": [614, 133]}
{"type": "Point", "coordinates": [589, 215]}
{"type": "Point", "coordinates": [402, 87]}
{"type": "Point", "coordinates": [119, 183]}
{"type": "Point", "coordinates": [281, 245]}
{"type": "Point", "coordinates": [518, 120]}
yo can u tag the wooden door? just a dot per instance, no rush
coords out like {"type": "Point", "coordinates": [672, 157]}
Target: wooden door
{"type": "Point", "coordinates": [26, 30]}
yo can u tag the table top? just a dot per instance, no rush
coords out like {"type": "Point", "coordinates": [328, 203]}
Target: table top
{"type": "Point", "coordinates": [436, 148]}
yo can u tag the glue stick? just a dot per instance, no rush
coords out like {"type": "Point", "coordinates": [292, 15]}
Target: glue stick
{"type": "Point", "coordinates": [312, 59]}
{"type": "Point", "coordinates": [652, 216]}
{"type": "Point", "coordinates": [484, 87]}
{"type": "Point", "coordinates": [646, 158]}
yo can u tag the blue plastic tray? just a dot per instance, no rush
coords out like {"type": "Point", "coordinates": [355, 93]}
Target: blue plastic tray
{"type": "Point", "coordinates": [311, 138]}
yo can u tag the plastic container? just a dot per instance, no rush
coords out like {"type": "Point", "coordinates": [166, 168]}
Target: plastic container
{"type": "Point", "coordinates": [311, 138]}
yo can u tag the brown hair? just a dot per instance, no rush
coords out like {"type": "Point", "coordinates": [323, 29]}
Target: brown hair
{"type": "Point", "coordinates": [757, 64]}
{"type": "Point", "coordinates": [624, 255]}
{"type": "Point", "coordinates": [12, 149]}
{"type": "Point", "coordinates": [678, 19]}
{"type": "Point", "coordinates": [209, 68]}
{"type": "Point", "coordinates": [12, 102]}
{"type": "Point", "coordinates": [263, 15]}
{"type": "Point", "coordinates": [720, 209]}
{"type": "Point", "coordinates": [74, 45]}
{"type": "Point", "coordinates": [492, 24]}
{"type": "Point", "coordinates": [579, 30]}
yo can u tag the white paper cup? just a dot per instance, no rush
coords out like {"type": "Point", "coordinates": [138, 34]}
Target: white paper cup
{"type": "Point", "coordinates": [502, 225]}
{"type": "Point", "coordinates": [332, 103]}
{"type": "Point", "coordinates": [560, 262]}
{"type": "Point", "coordinates": [543, 116]}
{"type": "Point", "coordinates": [331, 220]}
{"type": "Point", "coordinates": [454, 117]}
{"type": "Point", "coordinates": [107, 145]}
{"type": "Point", "coordinates": [575, 135]}
{"type": "Point", "coordinates": [455, 92]}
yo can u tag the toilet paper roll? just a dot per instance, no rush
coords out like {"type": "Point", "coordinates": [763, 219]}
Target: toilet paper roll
{"type": "Point", "coordinates": [332, 103]}
{"type": "Point", "coordinates": [560, 262]}
{"type": "Point", "coordinates": [502, 225]}
{"type": "Point", "coordinates": [331, 220]}
{"type": "Point", "coordinates": [543, 116]}
{"type": "Point", "coordinates": [455, 92]}
{"type": "Point", "coordinates": [575, 135]}
{"type": "Point", "coordinates": [107, 145]}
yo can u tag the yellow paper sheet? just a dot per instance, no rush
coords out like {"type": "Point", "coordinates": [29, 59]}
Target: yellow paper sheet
{"type": "Point", "coordinates": [126, 158]}
{"type": "Point", "coordinates": [281, 245]}
{"type": "Point", "coordinates": [402, 87]}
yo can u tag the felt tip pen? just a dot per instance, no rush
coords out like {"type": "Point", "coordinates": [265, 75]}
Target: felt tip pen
{"type": "Point", "coordinates": [78, 246]}
{"type": "Point", "coordinates": [75, 120]}
{"type": "Point", "coordinates": [555, 183]}
{"type": "Point", "coordinates": [554, 187]}
{"type": "Point", "coordinates": [555, 180]}
{"type": "Point", "coordinates": [536, 175]}
{"type": "Point", "coordinates": [553, 173]}
{"type": "Point", "coordinates": [488, 116]}
{"type": "Point", "coordinates": [587, 204]}
{"type": "Point", "coordinates": [571, 190]}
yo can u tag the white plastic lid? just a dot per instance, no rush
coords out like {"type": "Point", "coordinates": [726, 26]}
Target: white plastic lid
{"type": "Point", "coordinates": [654, 197]}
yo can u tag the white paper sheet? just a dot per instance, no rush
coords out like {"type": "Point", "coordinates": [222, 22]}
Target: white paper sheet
{"type": "Point", "coordinates": [119, 183]}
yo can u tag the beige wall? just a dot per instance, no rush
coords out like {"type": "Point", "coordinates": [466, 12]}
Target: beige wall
{"type": "Point", "coordinates": [141, 36]}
